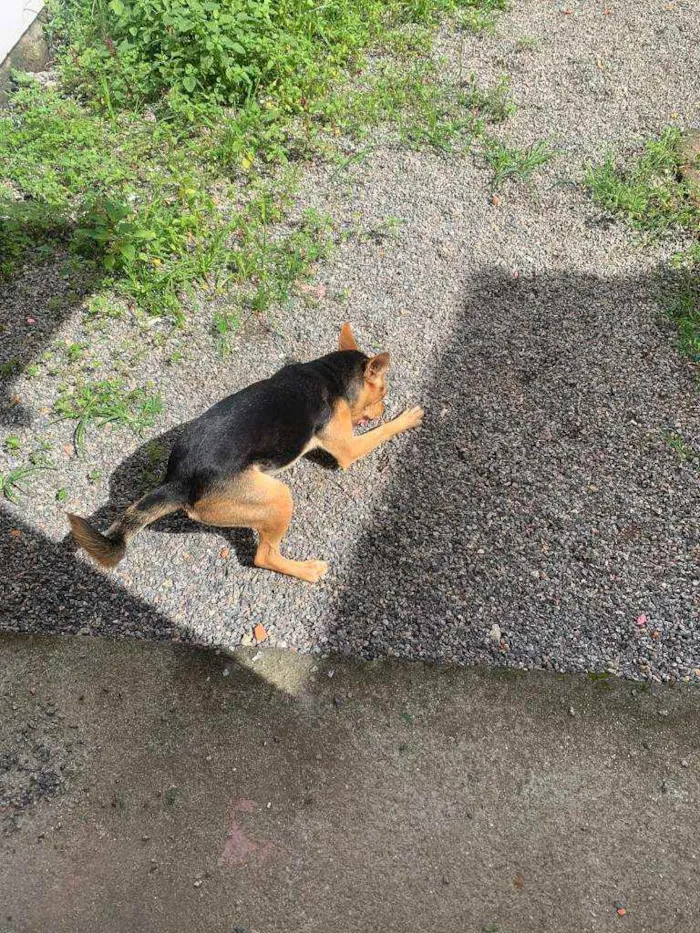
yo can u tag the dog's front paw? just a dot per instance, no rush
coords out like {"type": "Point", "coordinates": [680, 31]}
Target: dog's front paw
{"type": "Point", "coordinates": [411, 418]}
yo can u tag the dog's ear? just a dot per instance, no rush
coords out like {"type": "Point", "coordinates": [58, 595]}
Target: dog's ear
{"type": "Point", "coordinates": [377, 367]}
{"type": "Point", "coordinates": [347, 338]}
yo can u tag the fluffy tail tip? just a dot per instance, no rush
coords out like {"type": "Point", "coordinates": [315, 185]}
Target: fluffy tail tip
{"type": "Point", "coordinates": [104, 550]}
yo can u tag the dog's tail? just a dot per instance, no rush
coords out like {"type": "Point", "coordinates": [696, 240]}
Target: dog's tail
{"type": "Point", "coordinates": [109, 548]}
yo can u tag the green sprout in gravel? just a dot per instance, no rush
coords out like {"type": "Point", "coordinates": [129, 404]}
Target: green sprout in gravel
{"type": "Point", "coordinates": [424, 109]}
{"type": "Point", "coordinates": [14, 482]}
{"type": "Point", "coordinates": [512, 164]}
{"type": "Point", "coordinates": [658, 196]}
{"type": "Point", "coordinates": [107, 402]}
{"type": "Point", "coordinates": [685, 452]}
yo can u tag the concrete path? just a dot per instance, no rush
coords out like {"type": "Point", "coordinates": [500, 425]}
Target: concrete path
{"type": "Point", "coordinates": [145, 787]}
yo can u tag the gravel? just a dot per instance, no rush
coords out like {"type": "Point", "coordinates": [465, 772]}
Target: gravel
{"type": "Point", "coordinates": [540, 499]}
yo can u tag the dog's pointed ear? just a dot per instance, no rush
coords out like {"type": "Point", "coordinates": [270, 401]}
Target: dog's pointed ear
{"type": "Point", "coordinates": [377, 367]}
{"type": "Point", "coordinates": [347, 338]}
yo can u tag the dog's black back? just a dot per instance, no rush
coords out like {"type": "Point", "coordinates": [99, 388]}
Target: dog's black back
{"type": "Point", "coordinates": [269, 423]}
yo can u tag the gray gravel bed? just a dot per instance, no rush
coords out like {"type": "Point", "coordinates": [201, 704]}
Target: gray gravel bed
{"type": "Point", "coordinates": [539, 513]}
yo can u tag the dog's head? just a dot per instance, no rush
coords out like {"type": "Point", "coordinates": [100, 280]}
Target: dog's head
{"type": "Point", "coordinates": [368, 404]}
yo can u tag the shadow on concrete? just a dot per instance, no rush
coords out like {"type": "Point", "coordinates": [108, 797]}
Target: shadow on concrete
{"type": "Point", "coordinates": [542, 494]}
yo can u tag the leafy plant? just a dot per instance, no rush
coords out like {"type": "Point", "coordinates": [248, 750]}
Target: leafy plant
{"type": "Point", "coordinates": [128, 159]}
{"type": "Point", "coordinates": [107, 402]}
{"type": "Point", "coordinates": [187, 54]}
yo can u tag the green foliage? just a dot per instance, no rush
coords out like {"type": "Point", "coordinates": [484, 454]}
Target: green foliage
{"type": "Point", "coordinates": [682, 300]}
{"type": "Point", "coordinates": [175, 100]}
{"type": "Point", "coordinates": [13, 483]}
{"type": "Point", "coordinates": [268, 266]}
{"type": "Point", "coordinates": [494, 103]}
{"type": "Point", "coordinates": [181, 54]}
{"type": "Point", "coordinates": [425, 110]}
{"type": "Point", "coordinates": [648, 192]}
{"type": "Point", "coordinates": [512, 164]}
{"type": "Point", "coordinates": [128, 196]}
{"type": "Point", "coordinates": [685, 452]}
{"type": "Point", "coordinates": [107, 402]}
{"type": "Point", "coordinates": [653, 196]}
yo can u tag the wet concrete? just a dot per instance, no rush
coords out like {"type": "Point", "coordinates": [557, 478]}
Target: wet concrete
{"type": "Point", "coordinates": [148, 787]}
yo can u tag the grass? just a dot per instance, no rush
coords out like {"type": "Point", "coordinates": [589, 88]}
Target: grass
{"type": "Point", "coordinates": [685, 452]}
{"type": "Point", "coordinates": [424, 109]}
{"type": "Point", "coordinates": [14, 482]}
{"type": "Point", "coordinates": [512, 164]}
{"type": "Point", "coordinates": [655, 198]}
{"type": "Point", "coordinates": [145, 156]}
{"type": "Point", "coordinates": [492, 104]}
{"type": "Point", "coordinates": [105, 402]}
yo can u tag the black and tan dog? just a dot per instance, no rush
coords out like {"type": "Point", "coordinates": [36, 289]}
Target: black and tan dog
{"type": "Point", "coordinates": [220, 471]}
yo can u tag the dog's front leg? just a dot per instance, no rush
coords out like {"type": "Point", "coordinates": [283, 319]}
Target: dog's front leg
{"type": "Point", "coordinates": [337, 437]}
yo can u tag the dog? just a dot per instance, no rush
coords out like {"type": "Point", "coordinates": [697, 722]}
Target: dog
{"type": "Point", "coordinates": [222, 470]}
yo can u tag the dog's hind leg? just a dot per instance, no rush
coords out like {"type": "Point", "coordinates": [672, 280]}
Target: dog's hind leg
{"type": "Point", "coordinates": [259, 501]}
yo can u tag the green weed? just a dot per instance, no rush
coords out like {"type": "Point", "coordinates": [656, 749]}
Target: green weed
{"type": "Point", "coordinates": [425, 111]}
{"type": "Point", "coordinates": [128, 160]}
{"type": "Point", "coordinates": [494, 103]}
{"type": "Point", "coordinates": [10, 368]}
{"type": "Point", "coordinates": [74, 352]}
{"type": "Point", "coordinates": [14, 482]}
{"type": "Point", "coordinates": [511, 164]}
{"type": "Point", "coordinates": [648, 192]}
{"type": "Point", "coordinates": [685, 452]}
{"type": "Point", "coordinates": [527, 43]}
{"type": "Point", "coordinates": [107, 402]}
{"type": "Point", "coordinates": [225, 324]}
{"type": "Point", "coordinates": [188, 56]}
{"type": "Point", "coordinates": [683, 307]}
{"type": "Point", "coordinates": [477, 20]}
{"type": "Point", "coordinates": [654, 197]}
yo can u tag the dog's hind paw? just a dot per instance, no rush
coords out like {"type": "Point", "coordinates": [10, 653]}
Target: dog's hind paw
{"type": "Point", "coordinates": [312, 570]}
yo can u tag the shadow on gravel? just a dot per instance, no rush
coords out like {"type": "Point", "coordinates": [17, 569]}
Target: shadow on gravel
{"type": "Point", "coordinates": [43, 576]}
{"type": "Point", "coordinates": [141, 472]}
{"type": "Point", "coordinates": [542, 495]}
{"type": "Point", "coordinates": [34, 304]}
